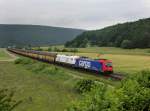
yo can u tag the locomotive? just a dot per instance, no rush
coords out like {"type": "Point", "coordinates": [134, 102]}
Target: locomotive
{"type": "Point", "coordinates": [97, 65]}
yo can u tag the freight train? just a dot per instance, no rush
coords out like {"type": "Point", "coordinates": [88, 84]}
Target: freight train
{"type": "Point", "coordinates": [98, 65]}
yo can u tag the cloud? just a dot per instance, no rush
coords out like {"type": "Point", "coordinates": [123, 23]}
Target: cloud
{"type": "Point", "coordinates": [86, 14]}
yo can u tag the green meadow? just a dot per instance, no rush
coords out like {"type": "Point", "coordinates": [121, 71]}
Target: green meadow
{"type": "Point", "coordinates": [41, 86]}
{"type": "Point", "coordinates": [45, 87]}
{"type": "Point", "coordinates": [38, 91]}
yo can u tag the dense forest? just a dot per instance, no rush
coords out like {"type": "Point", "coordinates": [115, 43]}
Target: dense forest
{"type": "Point", "coordinates": [35, 35]}
{"type": "Point", "coordinates": [127, 35]}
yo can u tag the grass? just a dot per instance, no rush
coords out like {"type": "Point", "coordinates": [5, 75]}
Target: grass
{"type": "Point", "coordinates": [4, 55]}
{"type": "Point", "coordinates": [41, 86]}
{"type": "Point", "coordinates": [39, 92]}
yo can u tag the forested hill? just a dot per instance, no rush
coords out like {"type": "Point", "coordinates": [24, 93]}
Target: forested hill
{"type": "Point", "coordinates": [35, 35]}
{"type": "Point", "coordinates": [127, 35]}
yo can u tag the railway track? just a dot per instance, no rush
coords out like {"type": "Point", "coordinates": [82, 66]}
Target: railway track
{"type": "Point", "coordinates": [115, 76]}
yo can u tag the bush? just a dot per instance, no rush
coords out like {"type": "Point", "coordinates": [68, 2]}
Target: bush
{"type": "Point", "coordinates": [132, 95]}
{"type": "Point", "coordinates": [148, 51]}
{"type": "Point", "coordinates": [126, 44]}
{"type": "Point", "coordinates": [144, 79]}
{"type": "Point", "coordinates": [57, 50]}
{"type": "Point", "coordinates": [23, 61]}
{"type": "Point", "coordinates": [48, 70]}
{"type": "Point", "coordinates": [7, 103]}
{"type": "Point", "coordinates": [74, 50]}
{"type": "Point", "coordinates": [39, 49]}
{"type": "Point", "coordinates": [64, 50]}
{"type": "Point", "coordinates": [18, 61]}
{"type": "Point", "coordinates": [49, 49]}
{"type": "Point", "coordinates": [37, 67]}
{"type": "Point", "coordinates": [94, 100]}
{"type": "Point", "coordinates": [84, 85]}
{"type": "Point", "coordinates": [51, 70]}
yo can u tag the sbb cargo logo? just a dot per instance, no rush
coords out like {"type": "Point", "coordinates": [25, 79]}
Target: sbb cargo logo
{"type": "Point", "coordinates": [85, 64]}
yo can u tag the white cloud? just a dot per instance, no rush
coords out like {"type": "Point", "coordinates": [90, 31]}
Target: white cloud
{"type": "Point", "coordinates": [88, 14]}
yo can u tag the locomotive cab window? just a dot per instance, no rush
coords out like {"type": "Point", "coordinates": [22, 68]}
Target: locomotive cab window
{"type": "Point", "coordinates": [109, 64]}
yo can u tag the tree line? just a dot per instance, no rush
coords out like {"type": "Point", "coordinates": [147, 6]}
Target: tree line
{"type": "Point", "coordinates": [127, 35]}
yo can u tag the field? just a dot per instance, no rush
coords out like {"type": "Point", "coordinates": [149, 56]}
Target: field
{"type": "Point", "coordinates": [48, 92]}
{"type": "Point", "coordinates": [123, 63]}
{"type": "Point", "coordinates": [124, 60]}
{"type": "Point", "coordinates": [40, 91]}
{"type": "Point", "coordinates": [37, 91]}
{"type": "Point", "coordinates": [107, 50]}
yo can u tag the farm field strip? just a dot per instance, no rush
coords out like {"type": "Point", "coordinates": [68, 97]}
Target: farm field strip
{"type": "Point", "coordinates": [113, 50]}
{"type": "Point", "coordinates": [38, 91]}
{"type": "Point", "coordinates": [107, 50]}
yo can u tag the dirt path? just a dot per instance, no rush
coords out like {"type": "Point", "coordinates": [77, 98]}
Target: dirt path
{"type": "Point", "coordinates": [12, 56]}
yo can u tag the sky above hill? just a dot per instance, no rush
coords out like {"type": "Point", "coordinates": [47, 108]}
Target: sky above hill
{"type": "Point", "coordinates": [85, 14]}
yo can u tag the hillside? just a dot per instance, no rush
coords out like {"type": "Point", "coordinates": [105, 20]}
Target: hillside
{"type": "Point", "coordinates": [35, 35]}
{"type": "Point", "coordinates": [127, 35]}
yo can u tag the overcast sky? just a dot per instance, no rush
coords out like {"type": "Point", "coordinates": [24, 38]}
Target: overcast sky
{"type": "Point", "coordinates": [85, 14]}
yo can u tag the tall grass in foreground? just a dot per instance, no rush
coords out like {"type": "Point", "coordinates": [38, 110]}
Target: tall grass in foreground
{"type": "Point", "coordinates": [41, 91]}
{"type": "Point", "coordinates": [7, 102]}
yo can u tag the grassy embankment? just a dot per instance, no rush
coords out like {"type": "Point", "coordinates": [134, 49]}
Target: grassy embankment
{"type": "Point", "coordinates": [41, 86]}
{"type": "Point", "coordinates": [44, 90]}
{"type": "Point", "coordinates": [39, 92]}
